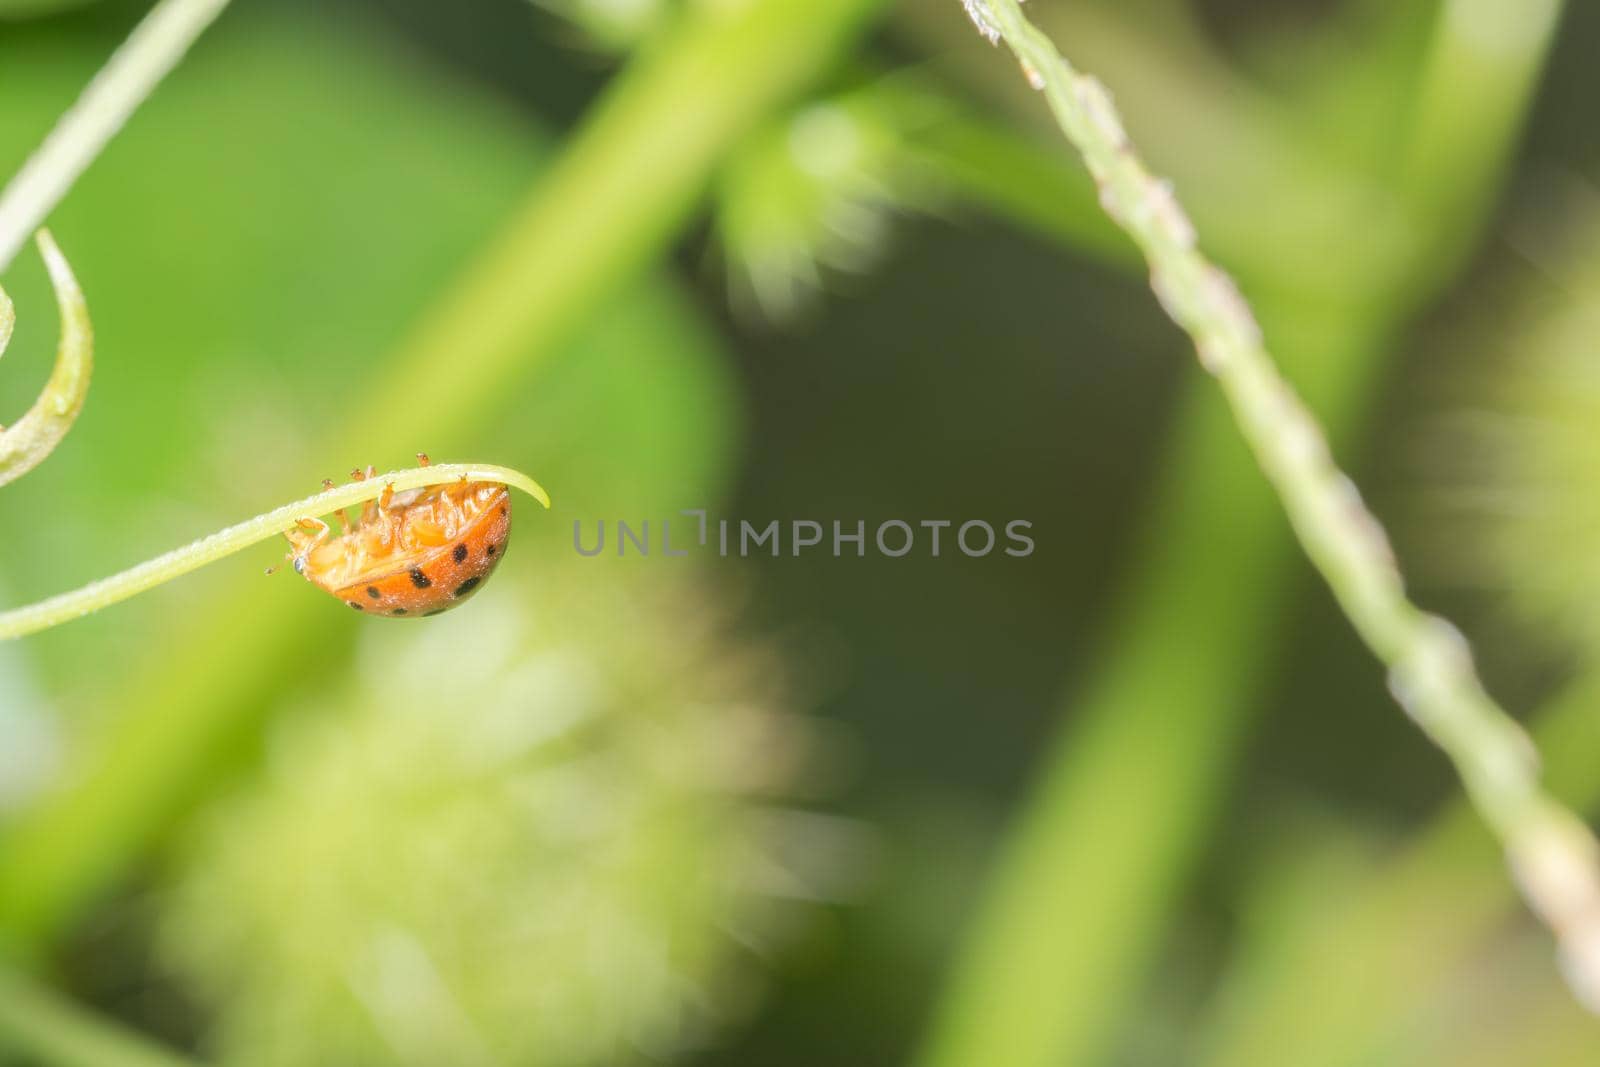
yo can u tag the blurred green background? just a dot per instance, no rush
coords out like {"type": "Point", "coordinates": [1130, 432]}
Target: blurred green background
{"type": "Point", "coordinates": [1138, 798]}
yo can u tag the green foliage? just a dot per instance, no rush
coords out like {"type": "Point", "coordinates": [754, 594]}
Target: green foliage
{"type": "Point", "coordinates": [533, 832]}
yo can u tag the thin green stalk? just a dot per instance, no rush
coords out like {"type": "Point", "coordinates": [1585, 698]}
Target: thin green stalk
{"type": "Point", "coordinates": [133, 71]}
{"type": "Point", "coordinates": [1084, 885]}
{"type": "Point", "coordinates": [27, 444]}
{"type": "Point", "coordinates": [54, 1032]}
{"type": "Point", "coordinates": [1551, 851]}
{"type": "Point", "coordinates": [1474, 79]}
{"type": "Point", "coordinates": [630, 177]}
{"type": "Point", "coordinates": [20, 622]}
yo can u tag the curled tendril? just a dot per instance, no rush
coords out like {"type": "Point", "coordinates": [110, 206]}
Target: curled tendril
{"type": "Point", "coordinates": [27, 444]}
{"type": "Point", "coordinates": [20, 622]}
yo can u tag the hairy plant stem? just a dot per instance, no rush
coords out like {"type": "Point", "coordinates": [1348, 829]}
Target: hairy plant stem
{"type": "Point", "coordinates": [1430, 669]}
{"type": "Point", "coordinates": [1099, 875]}
{"type": "Point", "coordinates": [133, 71]}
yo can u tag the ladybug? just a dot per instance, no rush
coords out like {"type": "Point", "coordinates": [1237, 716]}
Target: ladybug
{"type": "Point", "coordinates": [412, 554]}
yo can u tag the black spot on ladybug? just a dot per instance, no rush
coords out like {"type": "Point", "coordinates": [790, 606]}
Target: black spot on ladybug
{"type": "Point", "coordinates": [489, 551]}
{"type": "Point", "coordinates": [372, 591]}
{"type": "Point", "coordinates": [435, 611]}
{"type": "Point", "coordinates": [398, 611]}
{"type": "Point", "coordinates": [459, 554]}
{"type": "Point", "coordinates": [353, 604]}
{"type": "Point", "coordinates": [419, 579]}
{"type": "Point", "coordinates": [502, 509]}
{"type": "Point", "coordinates": [466, 587]}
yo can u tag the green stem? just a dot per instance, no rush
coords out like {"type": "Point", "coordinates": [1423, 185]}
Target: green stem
{"type": "Point", "coordinates": [630, 177]}
{"type": "Point", "coordinates": [627, 182]}
{"type": "Point", "coordinates": [54, 1032]}
{"type": "Point", "coordinates": [134, 70]}
{"type": "Point", "coordinates": [20, 622]}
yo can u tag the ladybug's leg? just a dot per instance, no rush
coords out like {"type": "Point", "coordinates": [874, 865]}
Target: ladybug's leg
{"type": "Point", "coordinates": [376, 512]}
{"type": "Point", "coordinates": [369, 511]}
{"type": "Point", "coordinates": [344, 518]}
{"type": "Point", "coordinates": [388, 521]}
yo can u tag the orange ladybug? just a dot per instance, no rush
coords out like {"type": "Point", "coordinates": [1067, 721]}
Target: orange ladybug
{"type": "Point", "coordinates": [412, 554]}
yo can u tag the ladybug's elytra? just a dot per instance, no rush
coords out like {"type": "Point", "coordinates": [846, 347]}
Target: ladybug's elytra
{"type": "Point", "coordinates": [412, 554]}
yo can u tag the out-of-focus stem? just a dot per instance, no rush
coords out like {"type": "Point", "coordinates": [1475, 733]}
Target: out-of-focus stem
{"type": "Point", "coordinates": [1480, 74]}
{"type": "Point", "coordinates": [133, 71]}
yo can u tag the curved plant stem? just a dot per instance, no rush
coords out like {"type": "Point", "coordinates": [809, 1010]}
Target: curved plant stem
{"type": "Point", "coordinates": [25, 445]}
{"type": "Point", "coordinates": [180, 561]}
{"type": "Point", "coordinates": [150, 52]}
{"type": "Point", "coordinates": [1552, 852]}
{"type": "Point", "coordinates": [54, 1032]}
